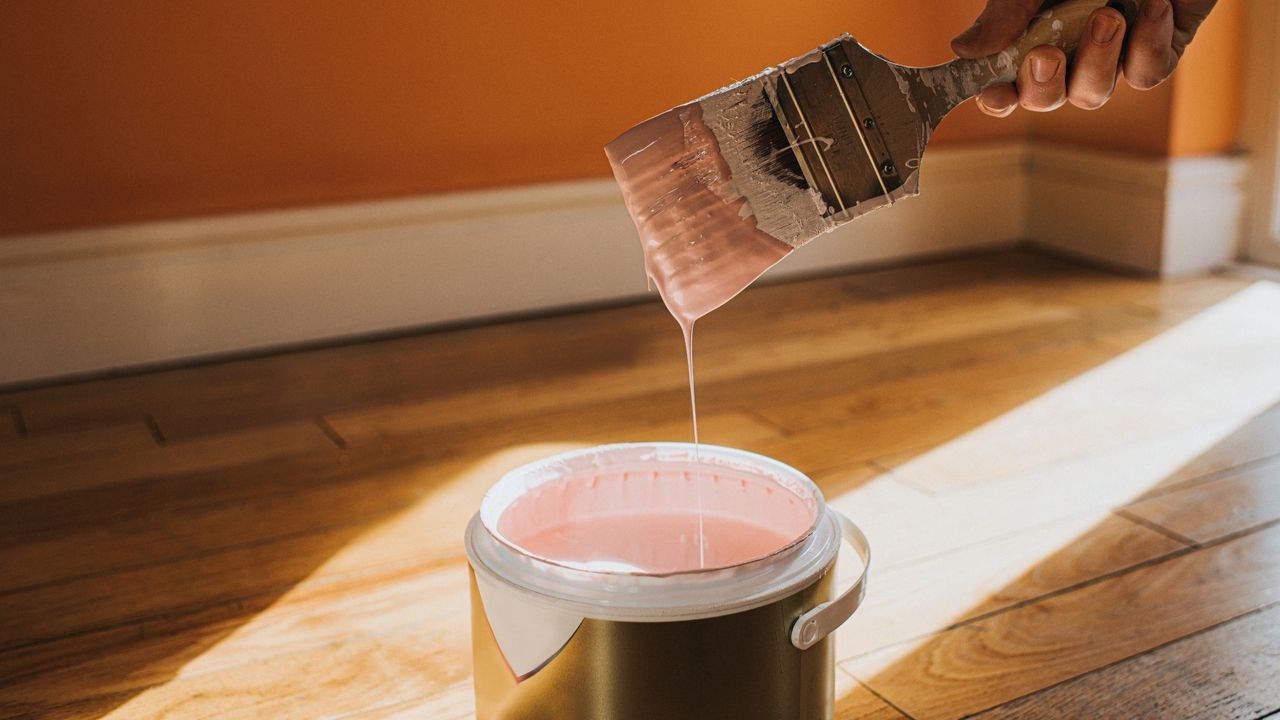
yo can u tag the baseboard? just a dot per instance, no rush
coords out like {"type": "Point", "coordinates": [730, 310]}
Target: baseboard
{"type": "Point", "coordinates": [1158, 216]}
{"type": "Point", "coordinates": [97, 300]}
{"type": "Point", "coordinates": [110, 298]}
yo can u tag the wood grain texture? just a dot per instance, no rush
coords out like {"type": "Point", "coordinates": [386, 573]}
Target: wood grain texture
{"type": "Point", "coordinates": [908, 524]}
{"type": "Point", "coordinates": [985, 664]}
{"type": "Point", "coordinates": [855, 702]}
{"type": "Point", "coordinates": [995, 383]}
{"type": "Point", "coordinates": [1258, 440]}
{"type": "Point", "coordinates": [64, 448]}
{"type": "Point", "coordinates": [293, 548]}
{"type": "Point", "coordinates": [1218, 364]}
{"type": "Point", "coordinates": [1227, 673]}
{"type": "Point", "coordinates": [10, 422]}
{"type": "Point", "coordinates": [1212, 510]}
{"type": "Point", "coordinates": [969, 581]}
{"type": "Point", "coordinates": [455, 703]}
{"type": "Point", "coordinates": [135, 455]}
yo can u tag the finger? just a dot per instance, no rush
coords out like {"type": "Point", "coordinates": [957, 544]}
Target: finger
{"type": "Point", "coordinates": [1150, 57]}
{"type": "Point", "coordinates": [1042, 80]}
{"type": "Point", "coordinates": [999, 25]}
{"type": "Point", "coordinates": [1187, 19]}
{"type": "Point", "coordinates": [998, 101]}
{"type": "Point", "coordinates": [1097, 60]}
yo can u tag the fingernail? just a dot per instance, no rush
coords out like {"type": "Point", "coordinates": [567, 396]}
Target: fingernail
{"type": "Point", "coordinates": [997, 111]}
{"type": "Point", "coordinates": [1155, 9]}
{"type": "Point", "coordinates": [1105, 29]}
{"type": "Point", "coordinates": [968, 37]}
{"type": "Point", "coordinates": [1042, 71]}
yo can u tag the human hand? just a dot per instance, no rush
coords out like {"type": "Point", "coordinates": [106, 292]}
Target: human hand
{"type": "Point", "coordinates": [1046, 80]}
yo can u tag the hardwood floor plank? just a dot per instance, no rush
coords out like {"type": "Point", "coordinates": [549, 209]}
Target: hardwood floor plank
{"type": "Point", "coordinates": [128, 542]}
{"type": "Point", "coordinates": [974, 272]}
{"type": "Point", "coordinates": [63, 449]}
{"type": "Point", "coordinates": [11, 424]}
{"type": "Point", "coordinates": [1212, 510]}
{"type": "Point", "coordinates": [304, 685]}
{"type": "Point", "coordinates": [292, 386]}
{"type": "Point", "coordinates": [394, 612]}
{"type": "Point", "coordinates": [258, 565]}
{"type": "Point", "coordinates": [418, 531]}
{"type": "Point", "coordinates": [930, 595]}
{"type": "Point", "coordinates": [1009, 377]}
{"type": "Point", "coordinates": [137, 456]}
{"type": "Point", "coordinates": [1167, 304]}
{"type": "Point", "coordinates": [1225, 673]}
{"type": "Point", "coordinates": [906, 525]}
{"type": "Point", "coordinates": [49, 612]}
{"type": "Point", "coordinates": [910, 328]}
{"type": "Point", "coordinates": [1220, 364]}
{"type": "Point", "coordinates": [1012, 654]}
{"type": "Point", "coordinates": [916, 412]}
{"type": "Point", "coordinates": [647, 417]}
{"type": "Point", "coordinates": [455, 703]}
{"type": "Point", "coordinates": [855, 702]}
{"type": "Point", "coordinates": [1258, 440]}
{"type": "Point", "coordinates": [161, 532]}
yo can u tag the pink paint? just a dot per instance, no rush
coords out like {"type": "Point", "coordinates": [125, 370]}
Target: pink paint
{"type": "Point", "coordinates": [701, 244]}
{"type": "Point", "coordinates": [701, 248]}
{"type": "Point", "coordinates": [643, 520]}
{"type": "Point", "coordinates": [654, 543]}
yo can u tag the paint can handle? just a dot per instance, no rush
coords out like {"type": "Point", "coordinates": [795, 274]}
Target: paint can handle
{"type": "Point", "coordinates": [811, 627]}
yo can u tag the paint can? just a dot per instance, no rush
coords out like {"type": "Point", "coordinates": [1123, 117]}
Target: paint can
{"type": "Point", "coordinates": [587, 604]}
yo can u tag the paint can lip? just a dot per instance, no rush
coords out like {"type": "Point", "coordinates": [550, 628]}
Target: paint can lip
{"type": "Point", "coordinates": [671, 597]}
{"type": "Point", "coordinates": [525, 478]}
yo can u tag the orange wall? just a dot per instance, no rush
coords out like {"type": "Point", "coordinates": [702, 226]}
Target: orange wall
{"type": "Point", "coordinates": [1136, 123]}
{"type": "Point", "coordinates": [1208, 96]}
{"type": "Point", "coordinates": [135, 109]}
{"type": "Point", "coordinates": [1197, 113]}
{"type": "Point", "coordinates": [142, 109]}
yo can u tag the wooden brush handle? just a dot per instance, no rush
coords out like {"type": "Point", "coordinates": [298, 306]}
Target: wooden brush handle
{"type": "Point", "coordinates": [1062, 25]}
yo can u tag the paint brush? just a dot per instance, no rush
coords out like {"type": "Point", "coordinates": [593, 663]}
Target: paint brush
{"type": "Point", "coordinates": [726, 186]}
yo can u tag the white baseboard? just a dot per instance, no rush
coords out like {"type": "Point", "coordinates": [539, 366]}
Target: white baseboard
{"type": "Point", "coordinates": [93, 300]}
{"type": "Point", "coordinates": [1166, 217]}
{"type": "Point", "coordinates": [107, 298]}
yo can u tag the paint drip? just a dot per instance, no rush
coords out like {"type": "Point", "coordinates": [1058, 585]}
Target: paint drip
{"type": "Point", "coordinates": [702, 246]}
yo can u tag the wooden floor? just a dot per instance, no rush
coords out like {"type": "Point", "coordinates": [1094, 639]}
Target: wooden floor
{"type": "Point", "coordinates": [1071, 481]}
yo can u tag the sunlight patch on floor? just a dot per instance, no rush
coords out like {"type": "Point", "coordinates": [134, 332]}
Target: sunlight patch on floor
{"type": "Point", "coordinates": [379, 599]}
{"type": "Point", "coordinates": [1016, 491]}
{"type": "Point", "coordinates": [1052, 467]}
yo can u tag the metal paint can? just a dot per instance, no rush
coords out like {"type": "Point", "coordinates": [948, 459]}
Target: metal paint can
{"type": "Point", "coordinates": [573, 641]}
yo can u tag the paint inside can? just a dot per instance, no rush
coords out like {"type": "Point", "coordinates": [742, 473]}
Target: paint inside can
{"type": "Point", "coordinates": [638, 514]}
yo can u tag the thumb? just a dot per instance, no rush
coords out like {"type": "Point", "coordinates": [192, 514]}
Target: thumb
{"type": "Point", "coordinates": [998, 27]}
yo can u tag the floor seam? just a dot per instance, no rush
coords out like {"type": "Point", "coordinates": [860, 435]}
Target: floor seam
{"type": "Point", "coordinates": [154, 428]}
{"type": "Point", "coordinates": [1211, 477]}
{"type": "Point", "coordinates": [439, 560]}
{"type": "Point", "coordinates": [19, 422]}
{"type": "Point", "coordinates": [895, 476]}
{"type": "Point", "coordinates": [840, 668]}
{"type": "Point", "coordinates": [1154, 527]}
{"type": "Point", "coordinates": [1150, 562]}
{"type": "Point", "coordinates": [1121, 661]}
{"type": "Point", "coordinates": [331, 432]}
{"type": "Point", "coordinates": [760, 418]}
